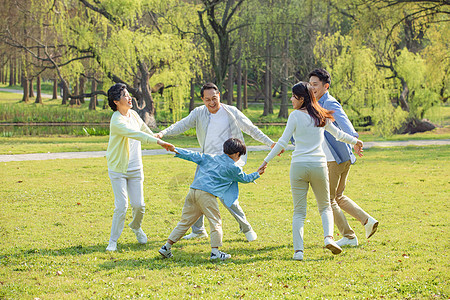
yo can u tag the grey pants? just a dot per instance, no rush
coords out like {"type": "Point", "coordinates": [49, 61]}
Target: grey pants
{"type": "Point", "coordinates": [235, 210]}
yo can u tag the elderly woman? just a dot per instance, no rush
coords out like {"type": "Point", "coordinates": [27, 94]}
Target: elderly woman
{"type": "Point", "coordinates": [124, 157]}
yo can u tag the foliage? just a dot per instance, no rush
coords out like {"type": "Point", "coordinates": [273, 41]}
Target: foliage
{"type": "Point", "coordinates": [54, 237]}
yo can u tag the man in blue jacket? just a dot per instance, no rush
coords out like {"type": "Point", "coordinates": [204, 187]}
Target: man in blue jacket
{"type": "Point", "coordinates": [340, 157]}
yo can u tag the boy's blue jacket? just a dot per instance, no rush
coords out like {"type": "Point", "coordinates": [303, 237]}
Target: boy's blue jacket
{"type": "Point", "coordinates": [217, 174]}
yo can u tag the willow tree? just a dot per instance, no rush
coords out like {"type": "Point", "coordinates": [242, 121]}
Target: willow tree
{"type": "Point", "coordinates": [401, 34]}
{"type": "Point", "coordinates": [130, 43]}
{"type": "Point", "coordinates": [216, 19]}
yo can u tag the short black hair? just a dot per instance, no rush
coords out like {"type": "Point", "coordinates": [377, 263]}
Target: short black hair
{"type": "Point", "coordinates": [208, 86]}
{"type": "Point", "coordinates": [322, 74]}
{"type": "Point", "coordinates": [233, 145]}
{"type": "Point", "coordinates": [114, 94]}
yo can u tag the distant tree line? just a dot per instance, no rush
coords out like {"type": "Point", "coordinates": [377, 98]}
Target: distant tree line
{"type": "Point", "coordinates": [389, 59]}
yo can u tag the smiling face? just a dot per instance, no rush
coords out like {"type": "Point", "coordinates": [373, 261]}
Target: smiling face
{"type": "Point", "coordinates": [211, 98]}
{"type": "Point", "coordinates": [296, 102]}
{"type": "Point", "coordinates": [125, 103]}
{"type": "Point", "coordinates": [319, 88]}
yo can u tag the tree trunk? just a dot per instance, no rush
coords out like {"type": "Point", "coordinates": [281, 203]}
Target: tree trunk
{"type": "Point", "coordinates": [267, 87]}
{"type": "Point", "coordinates": [65, 91]}
{"type": "Point", "coordinates": [239, 81]}
{"type": "Point", "coordinates": [75, 101]}
{"type": "Point", "coordinates": [38, 90]}
{"type": "Point", "coordinates": [17, 71]}
{"type": "Point", "coordinates": [191, 100]}
{"type": "Point", "coordinates": [25, 84]}
{"type": "Point", "coordinates": [284, 113]}
{"type": "Point", "coordinates": [270, 89]}
{"type": "Point", "coordinates": [93, 102]}
{"type": "Point", "coordinates": [81, 89]}
{"type": "Point", "coordinates": [55, 89]}
{"type": "Point", "coordinates": [31, 91]}
{"type": "Point", "coordinates": [143, 103]}
{"type": "Point", "coordinates": [11, 72]}
{"type": "Point", "coordinates": [230, 84]}
{"type": "Point", "coordinates": [245, 88]}
{"type": "Point", "coordinates": [1, 73]}
{"type": "Point", "coordinates": [404, 96]}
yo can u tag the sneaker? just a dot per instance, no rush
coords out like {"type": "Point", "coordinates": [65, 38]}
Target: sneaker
{"type": "Point", "coordinates": [166, 253]}
{"type": "Point", "coordinates": [250, 236]}
{"type": "Point", "coordinates": [140, 235]}
{"type": "Point", "coordinates": [347, 242]}
{"type": "Point", "coordinates": [112, 246]}
{"type": "Point", "coordinates": [193, 235]}
{"type": "Point", "coordinates": [221, 255]}
{"type": "Point", "coordinates": [331, 245]}
{"type": "Point", "coordinates": [298, 255]}
{"type": "Point", "coordinates": [371, 226]}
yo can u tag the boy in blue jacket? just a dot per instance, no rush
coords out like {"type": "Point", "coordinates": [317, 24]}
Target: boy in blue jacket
{"type": "Point", "coordinates": [216, 176]}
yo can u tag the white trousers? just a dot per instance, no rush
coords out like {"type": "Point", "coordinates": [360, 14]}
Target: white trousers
{"type": "Point", "coordinates": [127, 186]}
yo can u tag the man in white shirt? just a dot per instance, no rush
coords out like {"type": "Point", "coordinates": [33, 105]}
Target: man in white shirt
{"type": "Point", "coordinates": [215, 123]}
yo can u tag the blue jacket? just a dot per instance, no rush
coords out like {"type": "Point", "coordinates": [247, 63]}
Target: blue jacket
{"type": "Point", "coordinates": [341, 152]}
{"type": "Point", "coordinates": [217, 174]}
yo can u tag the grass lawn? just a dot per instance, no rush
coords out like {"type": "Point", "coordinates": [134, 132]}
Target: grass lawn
{"type": "Point", "coordinates": [56, 217]}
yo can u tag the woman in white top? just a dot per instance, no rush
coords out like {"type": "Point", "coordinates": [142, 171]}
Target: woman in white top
{"type": "Point", "coordinates": [309, 166]}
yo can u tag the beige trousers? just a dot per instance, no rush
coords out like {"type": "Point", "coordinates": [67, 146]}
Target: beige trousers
{"type": "Point", "coordinates": [302, 175]}
{"type": "Point", "coordinates": [338, 174]}
{"type": "Point", "coordinates": [199, 203]}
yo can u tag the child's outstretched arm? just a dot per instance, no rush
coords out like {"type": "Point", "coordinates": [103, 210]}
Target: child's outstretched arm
{"type": "Point", "coordinates": [240, 176]}
{"type": "Point", "coordinates": [166, 145]}
{"type": "Point", "coordinates": [189, 155]}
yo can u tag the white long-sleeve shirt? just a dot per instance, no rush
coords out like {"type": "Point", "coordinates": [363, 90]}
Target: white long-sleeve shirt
{"type": "Point", "coordinates": [308, 138]}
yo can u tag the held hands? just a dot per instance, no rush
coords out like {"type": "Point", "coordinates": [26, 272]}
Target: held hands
{"type": "Point", "coordinates": [158, 135]}
{"type": "Point", "coordinates": [358, 148]}
{"type": "Point", "coordinates": [166, 145]}
{"type": "Point", "coordinates": [273, 145]}
{"type": "Point", "coordinates": [262, 168]}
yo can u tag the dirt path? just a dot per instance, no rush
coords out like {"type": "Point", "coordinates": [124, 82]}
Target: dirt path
{"type": "Point", "coordinates": [71, 155]}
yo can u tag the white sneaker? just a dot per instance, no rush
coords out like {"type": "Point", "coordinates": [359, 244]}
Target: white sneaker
{"type": "Point", "coordinates": [221, 255]}
{"type": "Point", "coordinates": [250, 236]}
{"type": "Point", "coordinates": [371, 226]}
{"type": "Point", "coordinates": [331, 245]}
{"type": "Point", "coordinates": [140, 235]}
{"type": "Point", "coordinates": [298, 255]}
{"type": "Point", "coordinates": [112, 246]}
{"type": "Point", "coordinates": [195, 235]}
{"type": "Point", "coordinates": [347, 242]}
{"type": "Point", "coordinates": [166, 253]}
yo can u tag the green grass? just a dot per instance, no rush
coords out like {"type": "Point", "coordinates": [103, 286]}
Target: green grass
{"type": "Point", "coordinates": [56, 217]}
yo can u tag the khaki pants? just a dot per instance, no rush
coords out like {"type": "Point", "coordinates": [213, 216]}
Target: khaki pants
{"type": "Point", "coordinates": [338, 174]}
{"type": "Point", "coordinates": [302, 175]}
{"type": "Point", "coordinates": [199, 203]}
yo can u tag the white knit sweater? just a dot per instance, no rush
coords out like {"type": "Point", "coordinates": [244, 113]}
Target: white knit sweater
{"type": "Point", "coordinates": [308, 138]}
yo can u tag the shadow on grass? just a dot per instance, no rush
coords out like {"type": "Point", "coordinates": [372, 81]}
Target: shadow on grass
{"type": "Point", "coordinates": [83, 250]}
{"type": "Point", "coordinates": [182, 258]}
